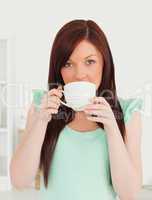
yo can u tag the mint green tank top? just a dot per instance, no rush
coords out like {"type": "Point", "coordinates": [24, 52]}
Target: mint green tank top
{"type": "Point", "coordinates": [80, 167]}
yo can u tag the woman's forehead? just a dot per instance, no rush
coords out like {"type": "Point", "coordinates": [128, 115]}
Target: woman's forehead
{"type": "Point", "coordinates": [84, 50]}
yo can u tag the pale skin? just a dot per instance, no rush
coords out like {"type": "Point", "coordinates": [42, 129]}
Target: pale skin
{"type": "Point", "coordinates": [86, 64]}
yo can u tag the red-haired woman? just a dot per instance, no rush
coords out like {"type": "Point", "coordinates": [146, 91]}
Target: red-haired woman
{"type": "Point", "coordinates": [92, 154]}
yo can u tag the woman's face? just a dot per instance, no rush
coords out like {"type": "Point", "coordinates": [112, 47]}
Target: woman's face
{"type": "Point", "coordinates": [84, 64]}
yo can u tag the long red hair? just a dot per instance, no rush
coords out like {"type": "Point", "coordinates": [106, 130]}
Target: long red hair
{"type": "Point", "coordinates": [68, 37]}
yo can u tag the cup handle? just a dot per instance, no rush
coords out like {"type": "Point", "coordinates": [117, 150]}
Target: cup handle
{"type": "Point", "coordinates": [64, 102]}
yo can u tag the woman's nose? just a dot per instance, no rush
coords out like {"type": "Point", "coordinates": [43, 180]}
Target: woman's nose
{"type": "Point", "coordinates": [80, 73]}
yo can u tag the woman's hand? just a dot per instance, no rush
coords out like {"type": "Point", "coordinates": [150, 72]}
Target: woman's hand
{"type": "Point", "coordinates": [49, 105]}
{"type": "Point", "coordinates": [102, 111]}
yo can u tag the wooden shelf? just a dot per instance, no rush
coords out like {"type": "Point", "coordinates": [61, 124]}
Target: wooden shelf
{"type": "Point", "coordinates": [37, 180]}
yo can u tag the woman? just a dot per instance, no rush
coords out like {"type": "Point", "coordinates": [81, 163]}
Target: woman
{"type": "Point", "coordinates": [90, 154]}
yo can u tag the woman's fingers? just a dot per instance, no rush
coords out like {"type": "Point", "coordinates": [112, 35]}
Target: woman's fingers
{"type": "Point", "coordinates": [56, 92]}
{"type": "Point", "coordinates": [50, 103]}
{"type": "Point", "coordinates": [53, 104]}
{"type": "Point", "coordinates": [48, 100]}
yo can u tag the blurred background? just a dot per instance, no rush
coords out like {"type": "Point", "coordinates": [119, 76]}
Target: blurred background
{"type": "Point", "coordinates": [27, 30]}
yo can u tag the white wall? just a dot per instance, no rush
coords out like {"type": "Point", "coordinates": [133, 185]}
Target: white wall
{"type": "Point", "coordinates": [127, 25]}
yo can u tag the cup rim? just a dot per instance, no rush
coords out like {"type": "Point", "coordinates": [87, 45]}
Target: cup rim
{"type": "Point", "coordinates": [76, 82]}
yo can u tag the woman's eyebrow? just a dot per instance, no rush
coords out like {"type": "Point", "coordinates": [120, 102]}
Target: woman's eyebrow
{"type": "Point", "coordinates": [90, 56]}
{"type": "Point", "coordinates": [85, 57]}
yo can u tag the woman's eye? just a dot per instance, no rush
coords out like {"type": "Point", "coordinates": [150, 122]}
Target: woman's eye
{"type": "Point", "coordinates": [68, 64]}
{"type": "Point", "coordinates": [88, 62]}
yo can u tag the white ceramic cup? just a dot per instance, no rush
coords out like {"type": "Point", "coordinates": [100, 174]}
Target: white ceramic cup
{"type": "Point", "coordinates": [78, 94]}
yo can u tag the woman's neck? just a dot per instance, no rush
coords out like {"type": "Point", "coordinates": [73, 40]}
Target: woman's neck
{"type": "Point", "coordinates": [81, 123]}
